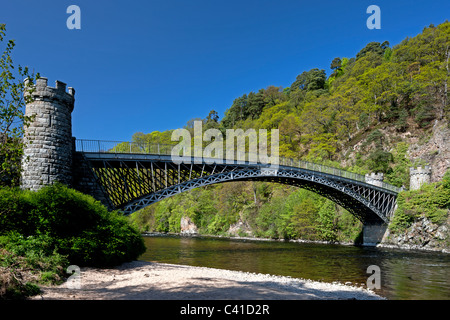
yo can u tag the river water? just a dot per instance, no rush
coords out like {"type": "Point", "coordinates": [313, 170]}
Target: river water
{"type": "Point", "coordinates": [404, 274]}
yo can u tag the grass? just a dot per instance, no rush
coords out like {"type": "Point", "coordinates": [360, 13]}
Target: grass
{"type": "Point", "coordinates": [42, 233]}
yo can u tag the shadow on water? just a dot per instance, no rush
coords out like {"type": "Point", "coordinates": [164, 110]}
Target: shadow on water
{"type": "Point", "coordinates": [404, 274]}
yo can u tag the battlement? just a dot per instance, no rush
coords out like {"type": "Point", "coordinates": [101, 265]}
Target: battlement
{"type": "Point", "coordinates": [419, 176]}
{"type": "Point", "coordinates": [375, 176]}
{"type": "Point", "coordinates": [375, 179]}
{"type": "Point", "coordinates": [425, 171]}
{"type": "Point", "coordinates": [58, 93]}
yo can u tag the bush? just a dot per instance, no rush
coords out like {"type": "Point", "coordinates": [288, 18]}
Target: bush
{"type": "Point", "coordinates": [431, 201]}
{"type": "Point", "coordinates": [79, 227]}
{"type": "Point", "coordinates": [17, 212]}
{"type": "Point", "coordinates": [25, 261]}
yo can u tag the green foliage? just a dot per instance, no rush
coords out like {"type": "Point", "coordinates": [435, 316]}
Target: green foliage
{"type": "Point", "coordinates": [353, 117]}
{"type": "Point", "coordinates": [399, 175]}
{"type": "Point", "coordinates": [80, 227]}
{"type": "Point", "coordinates": [336, 64]}
{"type": "Point", "coordinates": [272, 220]}
{"type": "Point", "coordinates": [301, 224]}
{"type": "Point", "coordinates": [374, 47]}
{"type": "Point", "coordinates": [326, 222]}
{"type": "Point", "coordinates": [311, 80]}
{"type": "Point", "coordinates": [12, 118]}
{"type": "Point", "coordinates": [431, 201]}
{"type": "Point", "coordinates": [446, 180]}
{"type": "Point", "coordinates": [42, 232]}
{"type": "Point", "coordinates": [379, 161]}
{"type": "Point", "coordinates": [26, 261]}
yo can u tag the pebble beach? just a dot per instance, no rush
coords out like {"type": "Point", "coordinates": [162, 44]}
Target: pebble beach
{"type": "Point", "coordinates": [141, 280]}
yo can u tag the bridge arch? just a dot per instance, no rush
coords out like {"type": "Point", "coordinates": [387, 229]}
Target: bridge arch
{"type": "Point", "coordinates": [131, 182]}
{"type": "Point", "coordinates": [146, 174]}
{"type": "Point", "coordinates": [339, 192]}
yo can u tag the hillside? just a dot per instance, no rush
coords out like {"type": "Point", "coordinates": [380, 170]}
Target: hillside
{"type": "Point", "coordinates": [384, 110]}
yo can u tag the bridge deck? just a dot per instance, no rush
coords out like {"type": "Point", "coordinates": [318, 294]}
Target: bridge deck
{"type": "Point", "coordinates": [135, 176]}
{"type": "Point", "coordinates": [162, 152]}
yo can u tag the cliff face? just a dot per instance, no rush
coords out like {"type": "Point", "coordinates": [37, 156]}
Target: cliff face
{"type": "Point", "coordinates": [431, 146]}
{"type": "Point", "coordinates": [422, 235]}
{"type": "Point", "coordinates": [426, 146]}
{"type": "Point", "coordinates": [435, 150]}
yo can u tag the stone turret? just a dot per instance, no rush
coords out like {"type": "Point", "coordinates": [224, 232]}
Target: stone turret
{"type": "Point", "coordinates": [419, 176]}
{"type": "Point", "coordinates": [375, 179]}
{"type": "Point", "coordinates": [48, 139]}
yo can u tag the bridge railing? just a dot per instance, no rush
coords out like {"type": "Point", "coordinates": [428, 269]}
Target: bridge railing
{"type": "Point", "coordinates": [103, 146]}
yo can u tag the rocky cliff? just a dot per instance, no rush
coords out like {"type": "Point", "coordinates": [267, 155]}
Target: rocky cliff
{"type": "Point", "coordinates": [422, 235]}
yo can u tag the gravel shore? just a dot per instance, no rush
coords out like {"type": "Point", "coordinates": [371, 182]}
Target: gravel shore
{"type": "Point", "coordinates": [140, 280]}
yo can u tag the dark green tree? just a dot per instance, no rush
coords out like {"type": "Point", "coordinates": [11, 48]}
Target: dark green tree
{"type": "Point", "coordinates": [326, 219]}
{"type": "Point", "coordinates": [256, 103]}
{"type": "Point", "coordinates": [336, 65]}
{"type": "Point", "coordinates": [375, 47]}
{"type": "Point", "coordinates": [313, 79]}
{"type": "Point", "coordinates": [211, 121]}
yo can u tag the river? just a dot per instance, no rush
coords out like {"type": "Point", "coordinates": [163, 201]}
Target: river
{"type": "Point", "coordinates": [404, 274]}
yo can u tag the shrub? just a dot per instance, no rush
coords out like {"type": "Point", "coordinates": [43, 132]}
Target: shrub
{"type": "Point", "coordinates": [74, 224]}
{"type": "Point", "coordinates": [17, 212]}
{"type": "Point", "coordinates": [25, 261]}
{"type": "Point", "coordinates": [431, 201]}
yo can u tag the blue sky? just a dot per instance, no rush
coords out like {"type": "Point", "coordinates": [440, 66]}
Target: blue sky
{"type": "Point", "coordinates": [155, 64]}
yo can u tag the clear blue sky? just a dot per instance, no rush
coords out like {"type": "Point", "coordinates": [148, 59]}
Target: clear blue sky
{"type": "Point", "coordinates": [155, 64]}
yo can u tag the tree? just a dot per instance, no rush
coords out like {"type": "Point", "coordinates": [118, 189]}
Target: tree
{"type": "Point", "coordinates": [336, 66]}
{"type": "Point", "coordinates": [375, 47]}
{"type": "Point", "coordinates": [313, 79]}
{"type": "Point", "coordinates": [12, 117]}
{"type": "Point", "coordinates": [327, 224]}
{"type": "Point", "coordinates": [380, 160]}
{"type": "Point", "coordinates": [302, 224]}
{"type": "Point", "coordinates": [307, 84]}
{"type": "Point", "coordinates": [256, 104]}
{"type": "Point", "coordinates": [211, 121]}
{"type": "Point", "coordinates": [273, 95]}
{"type": "Point", "coordinates": [237, 112]}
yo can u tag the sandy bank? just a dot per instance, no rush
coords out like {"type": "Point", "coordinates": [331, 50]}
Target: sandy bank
{"type": "Point", "coordinates": [140, 280]}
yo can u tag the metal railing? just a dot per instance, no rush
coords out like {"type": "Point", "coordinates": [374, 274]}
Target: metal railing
{"type": "Point", "coordinates": [104, 146]}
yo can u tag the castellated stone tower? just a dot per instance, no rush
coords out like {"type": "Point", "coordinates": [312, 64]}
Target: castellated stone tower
{"type": "Point", "coordinates": [375, 179]}
{"type": "Point", "coordinates": [419, 176]}
{"type": "Point", "coordinates": [48, 139]}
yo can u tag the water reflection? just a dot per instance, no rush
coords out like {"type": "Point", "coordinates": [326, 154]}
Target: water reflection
{"type": "Point", "coordinates": [404, 274]}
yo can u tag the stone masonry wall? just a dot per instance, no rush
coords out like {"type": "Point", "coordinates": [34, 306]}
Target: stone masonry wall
{"type": "Point", "coordinates": [419, 176]}
{"type": "Point", "coordinates": [84, 180]}
{"type": "Point", "coordinates": [48, 150]}
{"type": "Point", "coordinates": [375, 179]}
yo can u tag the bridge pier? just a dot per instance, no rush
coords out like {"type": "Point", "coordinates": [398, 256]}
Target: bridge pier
{"type": "Point", "coordinates": [373, 233]}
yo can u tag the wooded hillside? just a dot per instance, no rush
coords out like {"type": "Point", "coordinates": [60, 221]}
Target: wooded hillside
{"type": "Point", "coordinates": [384, 110]}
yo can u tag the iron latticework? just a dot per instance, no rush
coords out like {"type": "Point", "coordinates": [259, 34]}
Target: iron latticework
{"type": "Point", "coordinates": [132, 181]}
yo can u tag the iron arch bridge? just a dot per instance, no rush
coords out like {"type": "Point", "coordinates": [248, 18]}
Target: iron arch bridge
{"type": "Point", "coordinates": [132, 176]}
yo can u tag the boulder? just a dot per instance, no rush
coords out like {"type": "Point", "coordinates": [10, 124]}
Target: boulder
{"type": "Point", "coordinates": [188, 227]}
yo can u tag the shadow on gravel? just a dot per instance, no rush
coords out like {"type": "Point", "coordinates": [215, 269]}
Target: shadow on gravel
{"type": "Point", "coordinates": [148, 281]}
